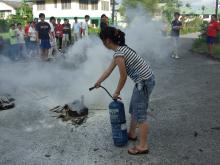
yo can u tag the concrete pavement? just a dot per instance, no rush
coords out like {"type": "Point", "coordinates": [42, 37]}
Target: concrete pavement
{"type": "Point", "coordinates": [185, 103]}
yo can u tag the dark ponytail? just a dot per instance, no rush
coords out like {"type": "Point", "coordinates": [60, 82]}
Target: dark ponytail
{"type": "Point", "coordinates": [115, 35]}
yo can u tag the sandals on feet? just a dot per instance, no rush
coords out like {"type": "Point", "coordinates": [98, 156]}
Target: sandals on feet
{"type": "Point", "coordinates": [132, 139]}
{"type": "Point", "coordinates": [137, 151]}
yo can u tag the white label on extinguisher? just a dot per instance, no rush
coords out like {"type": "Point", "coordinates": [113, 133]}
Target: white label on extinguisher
{"type": "Point", "coordinates": [123, 126]}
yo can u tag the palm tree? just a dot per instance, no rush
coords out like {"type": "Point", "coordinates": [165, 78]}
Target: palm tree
{"type": "Point", "coordinates": [179, 4]}
{"type": "Point", "coordinates": [203, 9]}
{"type": "Point", "coordinates": [188, 5]}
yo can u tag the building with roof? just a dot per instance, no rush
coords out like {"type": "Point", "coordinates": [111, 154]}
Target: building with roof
{"type": "Point", "coordinates": [73, 8]}
{"type": "Point", "coordinates": [8, 7]}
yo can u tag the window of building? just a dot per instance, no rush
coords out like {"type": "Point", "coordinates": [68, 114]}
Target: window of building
{"type": "Point", "coordinates": [41, 5]}
{"type": "Point", "coordinates": [55, 3]}
{"type": "Point", "coordinates": [105, 5]}
{"type": "Point", "coordinates": [83, 4]}
{"type": "Point", "coordinates": [94, 4]}
{"type": "Point", "coordinates": [66, 4]}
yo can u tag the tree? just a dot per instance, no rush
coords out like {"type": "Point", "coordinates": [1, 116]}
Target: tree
{"type": "Point", "coordinates": [171, 7]}
{"type": "Point", "coordinates": [3, 26]}
{"type": "Point", "coordinates": [149, 5]}
{"type": "Point", "coordinates": [188, 5]}
{"type": "Point", "coordinates": [122, 10]}
{"type": "Point", "coordinates": [179, 4]}
{"type": "Point", "coordinates": [25, 11]}
{"type": "Point", "coordinates": [23, 14]}
{"type": "Point", "coordinates": [203, 9]}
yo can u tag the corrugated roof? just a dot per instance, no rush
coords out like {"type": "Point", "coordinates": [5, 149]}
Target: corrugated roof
{"type": "Point", "coordinates": [14, 4]}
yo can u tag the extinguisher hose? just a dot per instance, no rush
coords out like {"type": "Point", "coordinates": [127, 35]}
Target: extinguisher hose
{"type": "Point", "coordinates": [104, 89]}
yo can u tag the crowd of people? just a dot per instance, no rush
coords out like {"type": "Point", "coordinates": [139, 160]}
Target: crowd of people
{"type": "Point", "coordinates": [45, 38]}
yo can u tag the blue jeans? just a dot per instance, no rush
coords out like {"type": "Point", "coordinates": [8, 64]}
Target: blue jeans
{"type": "Point", "coordinates": [140, 99]}
{"type": "Point", "coordinates": [210, 40]}
{"type": "Point", "coordinates": [14, 51]}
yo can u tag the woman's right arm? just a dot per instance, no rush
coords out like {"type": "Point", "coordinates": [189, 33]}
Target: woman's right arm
{"type": "Point", "coordinates": [106, 73]}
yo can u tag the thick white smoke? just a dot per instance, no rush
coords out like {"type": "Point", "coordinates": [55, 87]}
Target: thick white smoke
{"type": "Point", "coordinates": [144, 35]}
{"type": "Point", "coordinates": [49, 84]}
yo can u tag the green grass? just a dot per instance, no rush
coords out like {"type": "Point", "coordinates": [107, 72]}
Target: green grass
{"type": "Point", "coordinates": [94, 30]}
{"type": "Point", "coordinates": [5, 36]}
{"type": "Point", "coordinates": [217, 51]}
{"type": "Point", "coordinates": [200, 47]}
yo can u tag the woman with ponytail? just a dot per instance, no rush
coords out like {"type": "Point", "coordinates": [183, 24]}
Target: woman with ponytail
{"type": "Point", "coordinates": [134, 66]}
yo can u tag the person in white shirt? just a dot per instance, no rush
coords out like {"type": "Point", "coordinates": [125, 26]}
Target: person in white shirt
{"type": "Point", "coordinates": [76, 30]}
{"type": "Point", "coordinates": [33, 39]}
{"type": "Point", "coordinates": [52, 37]}
{"type": "Point", "coordinates": [20, 40]}
{"type": "Point", "coordinates": [85, 27]}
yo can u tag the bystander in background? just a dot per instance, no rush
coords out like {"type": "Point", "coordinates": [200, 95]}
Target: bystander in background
{"type": "Point", "coordinates": [176, 25]}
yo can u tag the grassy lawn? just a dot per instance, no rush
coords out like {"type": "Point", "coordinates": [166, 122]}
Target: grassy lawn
{"type": "Point", "coordinates": [200, 47]}
{"type": "Point", "coordinates": [5, 35]}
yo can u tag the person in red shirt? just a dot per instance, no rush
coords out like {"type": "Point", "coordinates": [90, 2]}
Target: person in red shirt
{"type": "Point", "coordinates": [27, 38]}
{"type": "Point", "coordinates": [59, 33]}
{"type": "Point", "coordinates": [26, 28]}
{"type": "Point", "coordinates": [212, 31]}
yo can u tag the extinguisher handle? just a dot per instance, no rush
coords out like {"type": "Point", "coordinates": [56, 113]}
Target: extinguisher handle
{"type": "Point", "coordinates": [119, 98]}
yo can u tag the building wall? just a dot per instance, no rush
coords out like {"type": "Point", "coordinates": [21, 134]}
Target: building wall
{"type": "Point", "coordinates": [58, 12]}
{"type": "Point", "coordinates": [6, 10]}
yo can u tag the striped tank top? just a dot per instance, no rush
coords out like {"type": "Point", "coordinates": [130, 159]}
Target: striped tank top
{"type": "Point", "coordinates": [136, 67]}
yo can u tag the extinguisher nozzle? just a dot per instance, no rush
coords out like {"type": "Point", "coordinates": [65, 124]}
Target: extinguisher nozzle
{"type": "Point", "coordinates": [91, 88]}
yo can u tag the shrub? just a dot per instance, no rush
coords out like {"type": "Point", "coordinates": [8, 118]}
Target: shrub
{"type": "Point", "coordinates": [93, 30]}
{"type": "Point", "coordinates": [4, 26]}
{"type": "Point", "coordinates": [192, 26]}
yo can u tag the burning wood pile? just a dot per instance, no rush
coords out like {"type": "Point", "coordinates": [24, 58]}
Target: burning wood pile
{"type": "Point", "coordinates": [76, 112]}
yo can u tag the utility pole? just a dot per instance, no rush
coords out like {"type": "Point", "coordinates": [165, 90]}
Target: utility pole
{"type": "Point", "coordinates": [216, 8]}
{"type": "Point", "coordinates": [113, 11]}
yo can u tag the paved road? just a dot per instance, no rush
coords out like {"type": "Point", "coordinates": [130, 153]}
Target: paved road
{"type": "Point", "coordinates": [185, 104]}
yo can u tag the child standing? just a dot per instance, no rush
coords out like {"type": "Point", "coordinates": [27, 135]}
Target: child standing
{"type": "Point", "coordinates": [66, 33]}
{"type": "Point", "coordinates": [76, 29]}
{"type": "Point", "coordinates": [212, 31]}
{"type": "Point", "coordinates": [175, 33]}
{"type": "Point", "coordinates": [85, 27]}
{"type": "Point", "coordinates": [43, 34]}
{"type": "Point", "coordinates": [59, 33]}
{"type": "Point", "coordinates": [33, 39]}
{"type": "Point", "coordinates": [13, 42]}
{"type": "Point", "coordinates": [129, 63]}
{"type": "Point", "coordinates": [104, 22]}
{"type": "Point", "coordinates": [20, 41]}
{"type": "Point", "coordinates": [52, 50]}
